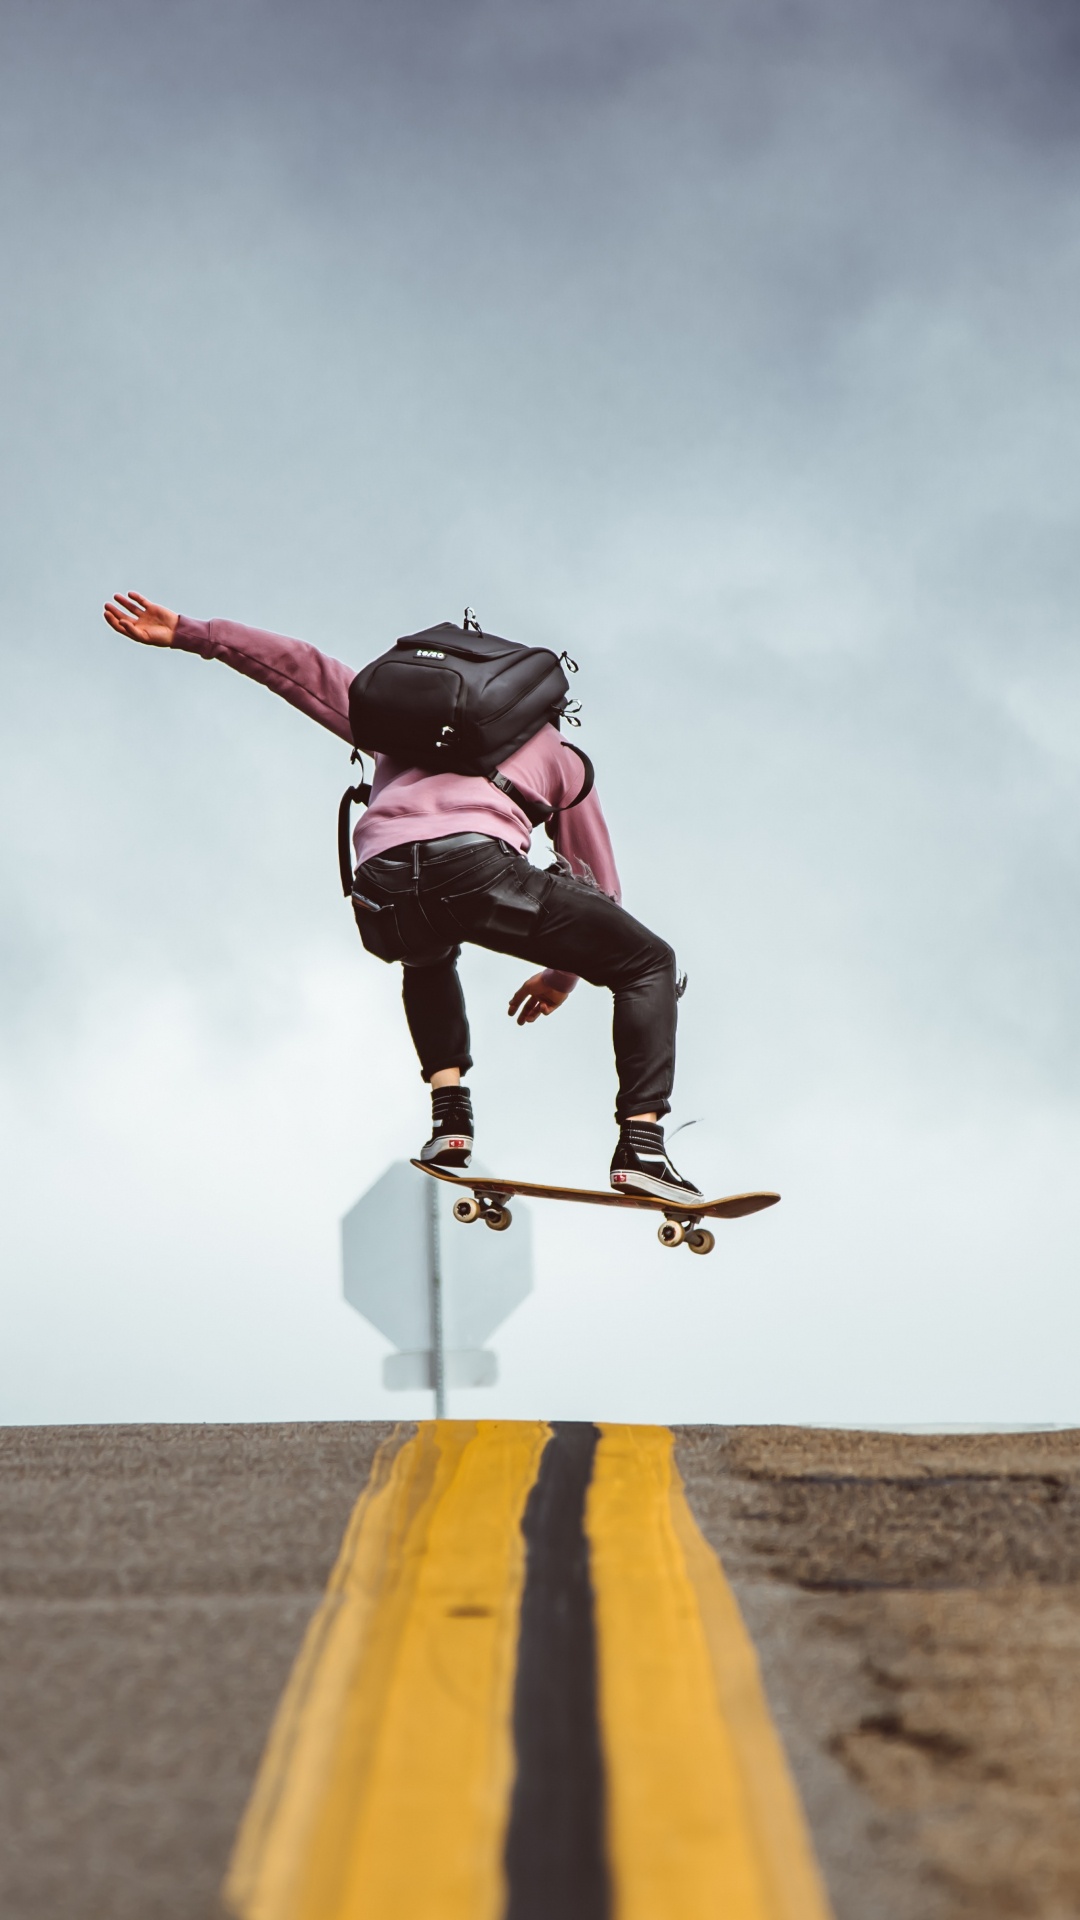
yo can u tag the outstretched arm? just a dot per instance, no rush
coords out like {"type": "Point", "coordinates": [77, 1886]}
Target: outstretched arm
{"type": "Point", "coordinates": [300, 674]}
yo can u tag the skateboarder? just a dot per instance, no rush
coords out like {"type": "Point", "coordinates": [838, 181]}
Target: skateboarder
{"type": "Point", "coordinates": [441, 861]}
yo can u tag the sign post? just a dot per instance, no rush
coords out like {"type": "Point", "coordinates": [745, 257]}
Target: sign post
{"type": "Point", "coordinates": [435, 1270]}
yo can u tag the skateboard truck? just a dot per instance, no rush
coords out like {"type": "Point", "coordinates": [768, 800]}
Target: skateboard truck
{"type": "Point", "coordinates": [482, 1206]}
{"type": "Point", "coordinates": [680, 1227]}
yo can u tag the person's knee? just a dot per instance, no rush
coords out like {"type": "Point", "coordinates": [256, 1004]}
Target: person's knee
{"type": "Point", "coordinates": [652, 960]}
{"type": "Point", "coordinates": [663, 958]}
{"type": "Point", "coordinates": [655, 956]}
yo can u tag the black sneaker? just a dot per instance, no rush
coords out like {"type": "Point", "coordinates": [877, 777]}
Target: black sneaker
{"type": "Point", "coordinates": [450, 1146]}
{"type": "Point", "coordinates": [641, 1165]}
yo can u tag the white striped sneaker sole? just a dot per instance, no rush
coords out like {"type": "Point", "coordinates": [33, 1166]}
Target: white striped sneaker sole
{"type": "Point", "coordinates": [625, 1182]}
{"type": "Point", "coordinates": [446, 1143]}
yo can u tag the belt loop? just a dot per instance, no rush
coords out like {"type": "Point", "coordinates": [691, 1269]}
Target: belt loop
{"type": "Point", "coordinates": [416, 863]}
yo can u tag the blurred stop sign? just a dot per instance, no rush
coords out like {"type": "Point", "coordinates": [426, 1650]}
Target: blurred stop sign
{"type": "Point", "coordinates": [408, 1266]}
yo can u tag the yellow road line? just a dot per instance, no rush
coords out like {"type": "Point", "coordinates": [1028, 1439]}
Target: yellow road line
{"type": "Point", "coordinates": [384, 1791]}
{"type": "Point", "coordinates": [703, 1819]}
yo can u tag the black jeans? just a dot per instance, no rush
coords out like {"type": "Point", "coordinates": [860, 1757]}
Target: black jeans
{"type": "Point", "coordinates": [417, 903]}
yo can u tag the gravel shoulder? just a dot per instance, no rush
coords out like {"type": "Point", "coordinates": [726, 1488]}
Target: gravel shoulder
{"type": "Point", "coordinates": [915, 1602]}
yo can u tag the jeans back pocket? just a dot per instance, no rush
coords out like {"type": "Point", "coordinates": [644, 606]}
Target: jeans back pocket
{"type": "Point", "coordinates": [505, 910]}
{"type": "Point", "coordinates": [379, 928]}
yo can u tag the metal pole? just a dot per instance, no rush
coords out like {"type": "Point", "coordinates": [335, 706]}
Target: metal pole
{"type": "Point", "coordinates": [435, 1272]}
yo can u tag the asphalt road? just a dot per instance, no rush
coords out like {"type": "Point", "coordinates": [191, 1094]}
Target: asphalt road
{"type": "Point", "coordinates": [915, 1602]}
{"type": "Point", "coordinates": [154, 1586]}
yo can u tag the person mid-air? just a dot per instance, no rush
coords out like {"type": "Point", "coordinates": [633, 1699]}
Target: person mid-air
{"type": "Point", "coordinates": [440, 860]}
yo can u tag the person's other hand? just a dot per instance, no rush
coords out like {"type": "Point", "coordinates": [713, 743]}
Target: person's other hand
{"type": "Point", "coordinates": [537, 996]}
{"type": "Point", "coordinates": [141, 620]}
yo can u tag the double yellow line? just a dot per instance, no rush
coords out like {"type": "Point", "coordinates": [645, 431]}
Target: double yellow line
{"type": "Point", "coordinates": [385, 1788]}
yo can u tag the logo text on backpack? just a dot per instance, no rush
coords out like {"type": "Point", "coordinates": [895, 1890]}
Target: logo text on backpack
{"type": "Point", "coordinates": [429, 653]}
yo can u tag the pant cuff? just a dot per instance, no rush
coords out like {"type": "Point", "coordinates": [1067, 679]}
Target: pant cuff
{"type": "Point", "coordinates": [463, 1061]}
{"type": "Point", "coordinates": [643, 1103]}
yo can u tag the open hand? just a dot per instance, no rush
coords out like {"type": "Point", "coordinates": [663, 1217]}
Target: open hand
{"type": "Point", "coordinates": [141, 620]}
{"type": "Point", "coordinates": [537, 996]}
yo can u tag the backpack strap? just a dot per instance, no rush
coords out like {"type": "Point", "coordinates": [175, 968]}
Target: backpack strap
{"type": "Point", "coordinates": [589, 781]}
{"type": "Point", "coordinates": [538, 812]}
{"type": "Point", "coordinates": [586, 788]}
{"type": "Point", "coordinates": [535, 811]}
{"type": "Point", "coordinates": [352, 796]}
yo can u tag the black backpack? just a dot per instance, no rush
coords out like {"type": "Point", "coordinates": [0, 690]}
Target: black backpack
{"type": "Point", "coordinates": [456, 700]}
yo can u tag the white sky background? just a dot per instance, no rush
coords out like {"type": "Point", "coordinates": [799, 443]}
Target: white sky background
{"type": "Point", "coordinates": [734, 347]}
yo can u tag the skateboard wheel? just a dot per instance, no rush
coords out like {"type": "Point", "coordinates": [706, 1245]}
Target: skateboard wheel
{"type": "Point", "coordinates": [467, 1211]}
{"type": "Point", "coordinates": [498, 1219]}
{"type": "Point", "coordinates": [701, 1240]}
{"type": "Point", "coordinates": [671, 1234]}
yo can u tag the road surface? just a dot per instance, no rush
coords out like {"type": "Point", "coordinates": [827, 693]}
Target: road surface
{"type": "Point", "coordinates": [915, 1604]}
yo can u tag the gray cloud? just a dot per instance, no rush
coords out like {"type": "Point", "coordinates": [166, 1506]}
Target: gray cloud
{"type": "Point", "coordinates": [734, 346]}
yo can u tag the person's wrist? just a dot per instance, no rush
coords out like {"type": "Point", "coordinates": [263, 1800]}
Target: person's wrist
{"type": "Point", "coordinates": [561, 983]}
{"type": "Point", "coordinates": [193, 636]}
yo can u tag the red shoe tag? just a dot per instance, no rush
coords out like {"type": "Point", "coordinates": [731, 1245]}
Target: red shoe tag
{"type": "Point", "coordinates": [618, 1179]}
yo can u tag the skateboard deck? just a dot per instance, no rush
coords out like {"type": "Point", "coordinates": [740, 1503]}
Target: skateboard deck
{"type": "Point", "coordinates": [681, 1219]}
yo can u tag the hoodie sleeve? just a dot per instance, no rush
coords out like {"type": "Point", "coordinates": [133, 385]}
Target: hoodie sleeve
{"type": "Point", "coordinates": [581, 833]}
{"type": "Point", "coordinates": [306, 678]}
{"type": "Point", "coordinates": [582, 838]}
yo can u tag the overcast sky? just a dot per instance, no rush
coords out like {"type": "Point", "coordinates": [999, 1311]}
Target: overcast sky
{"type": "Point", "coordinates": [733, 346]}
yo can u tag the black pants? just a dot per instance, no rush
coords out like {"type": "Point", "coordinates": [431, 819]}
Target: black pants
{"type": "Point", "coordinates": [417, 903]}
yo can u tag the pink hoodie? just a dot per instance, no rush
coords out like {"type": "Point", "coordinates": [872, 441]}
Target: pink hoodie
{"type": "Point", "coordinates": [407, 803]}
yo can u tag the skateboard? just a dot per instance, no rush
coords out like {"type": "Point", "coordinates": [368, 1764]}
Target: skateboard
{"type": "Point", "coordinates": [680, 1226]}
